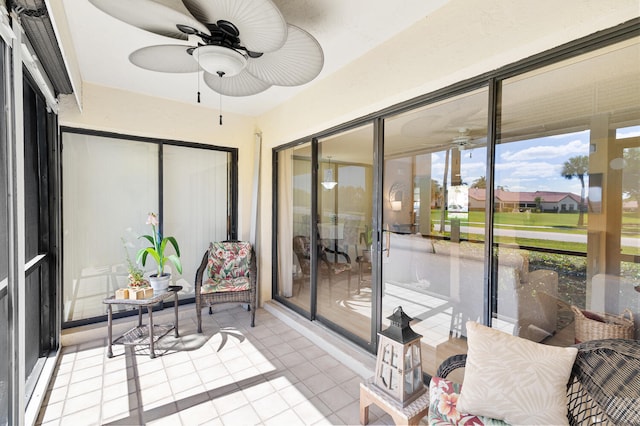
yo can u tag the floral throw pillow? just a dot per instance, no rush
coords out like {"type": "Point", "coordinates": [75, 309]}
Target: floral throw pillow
{"type": "Point", "coordinates": [443, 410]}
{"type": "Point", "coordinates": [228, 260]}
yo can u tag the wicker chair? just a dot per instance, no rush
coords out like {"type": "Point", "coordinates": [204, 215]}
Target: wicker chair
{"type": "Point", "coordinates": [326, 268]}
{"type": "Point", "coordinates": [229, 272]}
{"type": "Point", "coordinates": [603, 387]}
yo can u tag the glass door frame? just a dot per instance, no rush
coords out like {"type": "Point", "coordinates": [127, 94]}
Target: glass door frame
{"type": "Point", "coordinates": [44, 265]}
{"type": "Point", "coordinates": [312, 314]}
{"type": "Point", "coordinates": [232, 205]}
{"type": "Point", "coordinates": [491, 79]}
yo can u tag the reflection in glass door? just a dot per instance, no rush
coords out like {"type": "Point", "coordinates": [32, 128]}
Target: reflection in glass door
{"type": "Point", "coordinates": [324, 270]}
{"type": "Point", "coordinates": [294, 227]}
{"type": "Point", "coordinates": [344, 205]}
{"type": "Point", "coordinates": [4, 253]}
{"type": "Point", "coordinates": [566, 193]}
{"type": "Point", "coordinates": [433, 213]}
{"type": "Point", "coordinates": [556, 196]}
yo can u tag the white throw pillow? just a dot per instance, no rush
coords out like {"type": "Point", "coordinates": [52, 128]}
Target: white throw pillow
{"type": "Point", "coordinates": [513, 379]}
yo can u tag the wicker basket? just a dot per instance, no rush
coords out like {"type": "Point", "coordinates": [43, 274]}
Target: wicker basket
{"type": "Point", "coordinates": [602, 326]}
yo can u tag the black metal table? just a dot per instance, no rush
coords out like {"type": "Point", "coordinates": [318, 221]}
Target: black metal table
{"type": "Point", "coordinates": [147, 334]}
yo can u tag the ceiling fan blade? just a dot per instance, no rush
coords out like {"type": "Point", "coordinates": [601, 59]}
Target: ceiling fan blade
{"type": "Point", "coordinates": [299, 61]}
{"type": "Point", "coordinates": [172, 58]}
{"type": "Point", "coordinates": [156, 16]}
{"type": "Point", "coordinates": [420, 126]}
{"type": "Point", "coordinates": [261, 25]}
{"type": "Point", "coordinates": [479, 141]}
{"type": "Point", "coordinates": [242, 84]}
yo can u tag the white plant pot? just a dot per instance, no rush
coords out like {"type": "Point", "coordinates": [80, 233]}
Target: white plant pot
{"type": "Point", "coordinates": [159, 283]}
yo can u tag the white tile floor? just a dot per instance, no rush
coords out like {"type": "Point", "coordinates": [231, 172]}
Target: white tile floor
{"type": "Point", "coordinates": [231, 374]}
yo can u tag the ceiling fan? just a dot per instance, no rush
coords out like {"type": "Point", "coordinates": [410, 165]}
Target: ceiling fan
{"type": "Point", "coordinates": [243, 46]}
{"type": "Point", "coordinates": [463, 140]}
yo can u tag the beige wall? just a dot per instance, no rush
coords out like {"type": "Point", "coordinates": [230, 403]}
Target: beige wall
{"type": "Point", "coordinates": [461, 40]}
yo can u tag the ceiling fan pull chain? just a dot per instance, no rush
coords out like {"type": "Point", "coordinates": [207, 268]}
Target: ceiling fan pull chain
{"type": "Point", "coordinates": [198, 74]}
{"type": "Point", "coordinates": [220, 74]}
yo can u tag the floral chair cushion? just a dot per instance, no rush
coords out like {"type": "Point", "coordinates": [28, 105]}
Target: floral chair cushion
{"type": "Point", "coordinates": [335, 268]}
{"type": "Point", "coordinates": [228, 267]}
{"type": "Point", "coordinates": [443, 400]}
{"type": "Point", "coordinates": [232, 284]}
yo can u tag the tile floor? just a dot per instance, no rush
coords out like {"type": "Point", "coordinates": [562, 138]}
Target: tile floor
{"type": "Point", "coordinates": [232, 374]}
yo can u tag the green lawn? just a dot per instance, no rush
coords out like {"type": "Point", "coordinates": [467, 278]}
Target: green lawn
{"type": "Point", "coordinates": [550, 222]}
{"type": "Point", "coordinates": [566, 223]}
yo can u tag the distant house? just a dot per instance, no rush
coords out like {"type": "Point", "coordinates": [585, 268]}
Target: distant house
{"type": "Point", "coordinates": [630, 206]}
{"type": "Point", "coordinates": [508, 201]}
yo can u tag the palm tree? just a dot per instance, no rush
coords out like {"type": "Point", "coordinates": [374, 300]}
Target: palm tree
{"type": "Point", "coordinates": [631, 175]}
{"type": "Point", "coordinates": [444, 189]}
{"type": "Point", "coordinates": [577, 167]}
{"type": "Point", "coordinates": [538, 201]}
{"type": "Point", "coordinates": [481, 182]}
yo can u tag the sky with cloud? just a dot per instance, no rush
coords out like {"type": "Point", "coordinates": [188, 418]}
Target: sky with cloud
{"type": "Point", "coordinates": [536, 164]}
{"type": "Point", "coordinates": [529, 165]}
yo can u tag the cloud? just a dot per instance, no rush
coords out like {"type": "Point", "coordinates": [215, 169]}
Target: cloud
{"type": "Point", "coordinates": [526, 169]}
{"type": "Point", "coordinates": [574, 147]}
{"type": "Point", "coordinates": [521, 182]}
{"type": "Point", "coordinates": [629, 132]}
{"type": "Point", "coordinates": [567, 135]}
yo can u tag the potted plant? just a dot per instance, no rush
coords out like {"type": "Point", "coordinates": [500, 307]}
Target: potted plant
{"type": "Point", "coordinates": [366, 237]}
{"type": "Point", "coordinates": [160, 280]}
{"type": "Point", "coordinates": [136, 275]}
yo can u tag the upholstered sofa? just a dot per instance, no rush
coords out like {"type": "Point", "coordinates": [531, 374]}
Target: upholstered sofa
{"type": "Point", "coordinates": [454, 272]}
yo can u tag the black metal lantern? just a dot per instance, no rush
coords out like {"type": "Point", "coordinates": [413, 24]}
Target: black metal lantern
{"type": "Point", "coordinates": [399, 360]}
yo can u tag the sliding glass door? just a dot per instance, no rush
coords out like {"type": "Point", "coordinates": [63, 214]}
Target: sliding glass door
{"type": "Point", "coordinates": [110, 185]}
{"type": "Point", "coordinates": [196, 203]}
{"type": "Point", "coordinates": [4, 247]}
{"type": "Point", "coordinates": [567, 191]}
{"type": "Point", "coordinates": [512, 201]}
{"type": "Point", "coordinates": [294, 227]}
{"type": "Point", "coordinates": [40, 236]}
{"type": "Point", "coordinates": [433, 222]}
{"type": "Point", "coordinates": [344, 220]}
{"type": "Point", "coordinates": [324, 265]}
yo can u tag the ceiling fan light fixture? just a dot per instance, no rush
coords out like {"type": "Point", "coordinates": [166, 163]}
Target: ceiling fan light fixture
{"type": "Point", "coordinates": [328, 182]}
{"type": "Point", "coordinates": [248, 42]}
{"type": "Point", "coordinates": [329, 185]}
{"type": "Point", "coordinates": [220, 60]}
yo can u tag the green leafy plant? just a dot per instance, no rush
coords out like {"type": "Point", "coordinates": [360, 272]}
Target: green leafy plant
{"type": "Point", "coordinates": [136, 275]}
{"type": "Point", "coordinates": [367, 236]}
{"type": "Point", "coordinates": [158, 246]}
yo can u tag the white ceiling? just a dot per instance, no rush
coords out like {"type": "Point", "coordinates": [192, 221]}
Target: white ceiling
{"type": "Point", "coordinates": [346, 29]}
